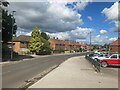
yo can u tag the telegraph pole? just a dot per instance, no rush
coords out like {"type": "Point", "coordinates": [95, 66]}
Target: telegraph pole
{"type": "Point", "coordinates": [90, 39]}
{"type": "Point", "coordinates": [12, 34]}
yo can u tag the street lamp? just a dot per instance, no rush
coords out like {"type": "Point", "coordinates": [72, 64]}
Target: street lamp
{"type": "Point", "coordinates": [13, 12]}
{"type": "Point", "coordinates": [90, 38]}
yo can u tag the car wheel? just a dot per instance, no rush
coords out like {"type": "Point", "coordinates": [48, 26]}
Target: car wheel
{"type": "Point", "coordinates": [104, 64]}
{"type": "Point", "coordinates": [96, 59]}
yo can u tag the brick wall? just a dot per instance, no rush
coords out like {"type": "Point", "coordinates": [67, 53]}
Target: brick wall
{"type": "Point", "coordinates": [16, 46]}
{"type": "Point", "coordinates": [65, 45]}
{"type": "Point", "coordinates": [19, 45]}
{"type": "Point", "coordinates": [114, 48]}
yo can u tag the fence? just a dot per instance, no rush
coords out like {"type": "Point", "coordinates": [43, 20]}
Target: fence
{"type": "Point", "coordinates": [95, 62]}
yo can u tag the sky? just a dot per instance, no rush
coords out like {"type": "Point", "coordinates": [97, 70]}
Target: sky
{"type": "Point", "coordinates": [69, 20]}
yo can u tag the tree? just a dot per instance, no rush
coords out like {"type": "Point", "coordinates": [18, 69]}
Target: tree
{"type": "Point", "coordinates": [4, 3]}
{"type": "Point", "coordinates": [45, 36]}
{"type": "Point", "coordinates": [8, 25]}
{"type": "Point", "coordinates": [94, 47]}
{"type": "Point", "coordinates": [46, 47]}
{"type": "Point", "coordinates": [35, 41]}
{"type": "Point", "coordinates": [80, 49]}
{"type": "Point", "coordinates": [7, 22]}
{"type": "Point", "coordinates": [106, 46]}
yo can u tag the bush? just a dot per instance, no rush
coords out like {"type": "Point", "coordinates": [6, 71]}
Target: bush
{"type": "Point", "coordinates": [62, 51]}
{"type": "Point", "coordinates": [46, 51]}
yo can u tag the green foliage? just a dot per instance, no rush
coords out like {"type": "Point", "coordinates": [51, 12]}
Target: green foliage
{"type": "Point", "coordinates": [46, 47]}
{"type": "Point", "coordinates": [80, 49]}
{"type": "Point", "coordinates": [94, 47]}
{"type": "Point", "coordinates": [35, 41]}
{"type": "Point", "coordinates": [5, 3]}
{"type": "Point", "coordinates": [39, 42]}
{"type": "Point", "coordinates": [62, 50]}
{"type": "Point", "coordinates": [8, 23]}
{"type": "Point", "coordinates": [45, 36]}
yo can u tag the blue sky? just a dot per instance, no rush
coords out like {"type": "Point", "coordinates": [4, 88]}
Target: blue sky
{"type": "Point", "coordinates": [69, 20]}
{"type": "Point", "coordinates": [99, 20]}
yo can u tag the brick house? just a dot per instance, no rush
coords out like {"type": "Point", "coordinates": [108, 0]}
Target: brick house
{"type": "Point", "coordinates": [83, 46]}
{"type": "Point", "coordinates": [115, 46]}
{"type": "Point", "coordinates": [57, 45]}
{"type": "Point", "coordinates": [21, 43]}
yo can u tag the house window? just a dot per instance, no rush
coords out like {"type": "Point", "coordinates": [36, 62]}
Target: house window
{"type": "Point", "coordinates": [60, 44]}
{"type": "Point", "coordinates": [23, 42]}
{"type": "Point", "coordinates": [57, 44]}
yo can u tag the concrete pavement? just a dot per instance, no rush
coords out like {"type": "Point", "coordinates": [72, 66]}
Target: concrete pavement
{"type": "Point", "coordinates": [77, 72]}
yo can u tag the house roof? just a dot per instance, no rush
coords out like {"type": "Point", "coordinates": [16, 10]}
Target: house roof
{"type": "Point", "coordinates": [24, 38]}
{"type": "Point", "coordinates": [83, 45]}
{"type": "Point", "coordinates": [20, 38]}
{"type": "Point", "coordinates": [57, 41]}
{"type": "Point", "coordinates": [117, 42]}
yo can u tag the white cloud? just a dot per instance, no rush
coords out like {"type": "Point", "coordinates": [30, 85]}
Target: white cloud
{"type": "Point", "coordinates": [103, 31]}
{"type": "Point", "coordinates": [57, 1]}
{"type": "Point", "coordinates": [98, 36]}
{"type": "Point", "coordinates": [117, 26]}
{"type": "Point", "coordinates": [90, 18]}
{"type": "Point", "coordinates": [81, 5]}
{"type": "Point", "coordinates": [112, 12]}
{"type": "Point", "coordinates": [113, 39]}
{"type": "Point", "coordinates": [97, 39]}
{"type": "Point", "coordinates": [77, 34]}
{"type": "Point", "coordinates": [50, 17]}
{"type": "Point", "coordinates": [29, 34]}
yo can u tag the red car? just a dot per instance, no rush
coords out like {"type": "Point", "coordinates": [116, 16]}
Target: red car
{"type": "Point", "coordinates": [114, 59]}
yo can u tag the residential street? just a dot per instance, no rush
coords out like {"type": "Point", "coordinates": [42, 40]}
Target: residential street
{"type": "Point", "coordinates": [14, 75]}
{"type": "Point", "coordinates": [59, 44]}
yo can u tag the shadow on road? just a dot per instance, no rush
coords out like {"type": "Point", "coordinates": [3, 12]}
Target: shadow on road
{"type": "Point", "coordinates": [17, 58]}
{"type": "Point", "coordinates": [111, 66]}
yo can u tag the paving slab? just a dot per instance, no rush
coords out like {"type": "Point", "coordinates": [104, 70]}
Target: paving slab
{"type": "Point", "coordinates": [77, 72]}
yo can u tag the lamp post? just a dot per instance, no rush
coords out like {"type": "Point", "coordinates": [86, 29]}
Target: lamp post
{"type": "Point", "coordinates": [13, 12]}
{"type": "Point", "coordinates": [90, 39]}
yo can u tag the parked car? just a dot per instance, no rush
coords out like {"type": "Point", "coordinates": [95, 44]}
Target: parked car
{"type": "Point", "coordinates": [101, 56]}
{"type": "Point", "coordinates": [114, 59]}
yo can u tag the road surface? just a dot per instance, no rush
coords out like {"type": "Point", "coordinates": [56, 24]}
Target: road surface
{"type": "Point", "coordinates": [14, 75]}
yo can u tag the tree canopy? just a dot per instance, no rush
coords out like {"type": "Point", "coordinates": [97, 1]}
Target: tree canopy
{"type": "Point", "coordinates": [45, 36]}
{"type": "Point", "coordinates": [39, 42]}
{"type": "Point", "coordinates": [35, 41]}
{"type": "Point", "coordinates": [4, 3]}
{"type": "Point", "coordinates": [9, 26]}
{"type": "Point", "coordinates": [46, 47]}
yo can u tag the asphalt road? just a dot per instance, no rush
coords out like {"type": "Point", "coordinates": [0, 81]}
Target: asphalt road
{"type": "Point", "coordinates": [14, 75]}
